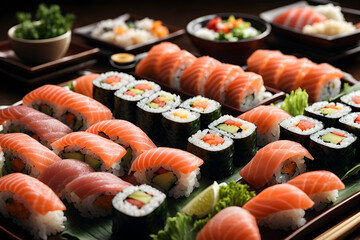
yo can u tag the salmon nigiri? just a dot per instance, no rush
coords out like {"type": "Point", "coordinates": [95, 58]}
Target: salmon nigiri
{"type": "Point", "coordinates": [194, 77]}
{"type": "Point", "coordinates": [280, 207]}
{"type": "Point", "coordinates": [321, 186]}
{"type": "Point", "coordinates": [84, 84]}
{"type": "Point", "coordinates": [172, 170]}
{"type": "Point", "coordinates": [267, 119]}
{"type": "Point", "coordinates": [277, 162]}
{"type": "Point", "coordinates": [236, 222]}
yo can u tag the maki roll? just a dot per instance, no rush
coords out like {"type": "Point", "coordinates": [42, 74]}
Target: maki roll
{"type": "Point", "coordinates": [106, 84]}
{"type": "Point", "coordinates": [351, 123]}
{"type": "Point", "coordinates": [352, 99]}
{"type": "Point", "coordinates": [149, 112]}
{"type": "Point", "coordinates": [327, 112]}
{"type": "Point", "coordinates": [333, 150]}
{"type": "Point", "coordinates": [137, 207]}
{"type": "Point", "coordinates": [179, 124]}
{"type": "Point", "coordinates": [216, 150]}
{"type": "Point", "coordinates": [299, 129]}
{"type": "Point", "coordinates": [209, 109]}
{"type": "Point", "coordinates": [242, 132]}
{"type": "Point", "coordinates": [127, 97]}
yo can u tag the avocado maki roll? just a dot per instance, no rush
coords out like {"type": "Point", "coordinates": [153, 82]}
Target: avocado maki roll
{"type": "Point", "coordinates": [106, 84]}
{"type": "Point", "coordinates": [352, 99]}
{"type": "Point", "coordinates": [333, 149]}
{"type": "Point", "coordinates": [138, 207]}
{"type": "Point", "coordinates": [216, 150]}
{"type": "Point", "coordinates": [179, 124]}
{"type": "Point", "coordinates": [299, 129]}
{"type": "Point", "coordinates": [242, 132]}
{"type": "Point", "coordinates": [127, 97]}
{"type": "Point", "coordinates": [149, 112]}
{"type": "Point", "coordinates": [209, 109]}
{"type": "Point", "coordinates": [327, 112]}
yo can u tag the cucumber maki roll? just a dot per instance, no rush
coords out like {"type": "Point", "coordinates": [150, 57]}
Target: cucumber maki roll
{"type": "Point", "coordinates": [242, 132]}
{"type": "Point", "coordinates": [209, 109]}
{"type": "Point", "coordinates": [216, 150]}
{"type": "Point", "coordinates": [333, 149]}
{"type": "Point", "coordinates": [327, 112]}
{"type": "Point", "coordinates": [299, 129]}
{"type": "Point", "coordinates": [179, 124]}
{"type": "Point", "coordinates": [149, 110]}
{"type": "Point", "coordinates": [138, 207]}
{"type": "Point", "coordinates": [127, 97]}
{"type": "Point", "coordinates": [106, 84]}
{"type": "Point", "coordinates": [352, 99]}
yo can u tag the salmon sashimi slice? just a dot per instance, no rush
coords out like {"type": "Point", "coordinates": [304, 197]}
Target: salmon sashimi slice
{"type": "Point", "coordinates": [173, 65]}
{"type": "Point", "coordinates": [38, 195]}
{"type": "Point", "coordinates": [270, 158]}
{"type": "Point", "coordinates": [124, 133]}
{"type": "Point", "coordinates": [108, 151]}
{"type": "Point", "coordinates": [244, 85]}
{"type": "Point", "coordinates": [277, 198]}
{"type": "Point", "coordinates": [231, 223]}
{"type": "Point", "coordinates": [293, 74]}
{"type": "Point", "coordinates": [219, 79]}
{"type": "Point", "coordinates": [194, 77]}
{"type": "Point", "coordinates": [84, 85]}
{"type": "Point", "coordinates": [37, 155]}
{"type": "Point", "coordinates": [59, 174]}
{"type": "Point", "coordinates": [149, 65]}
{"type": "Point", "coordinates": [65, 100]}
{"type": "Point", "coordinates": [259, 58]}
{"type": "Point", "coordinates": [182, 161]}
{"type": "Point", "coordinates": [299, 17]}
{"type": "Point", "coordinates": [37, 124]}
{"type": "Point", "coordinates": [322, 82]}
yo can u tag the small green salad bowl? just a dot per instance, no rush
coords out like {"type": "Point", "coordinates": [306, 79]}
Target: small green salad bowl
{"type": "Point", "coordinates": [228, 49]}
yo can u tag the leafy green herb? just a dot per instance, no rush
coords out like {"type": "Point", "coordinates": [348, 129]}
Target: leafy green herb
{"type": "Point", "coordinates": [48, 23]}
{"type": "Point", "coordinates": [71, 86]}
{"type": "Point", "coordinates": [295, 102]}
{"type": "Point", "coordinates": [352, 172]}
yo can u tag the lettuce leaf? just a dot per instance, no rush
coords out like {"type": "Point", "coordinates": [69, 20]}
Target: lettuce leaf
{"type": "Point", "coordinates": [71, 86]}
{"type": "Point", "coordinates": [295, 102]}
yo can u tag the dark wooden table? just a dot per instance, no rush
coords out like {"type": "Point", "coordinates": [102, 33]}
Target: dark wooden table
{"type": "Point", "coordinates": [176, 13]}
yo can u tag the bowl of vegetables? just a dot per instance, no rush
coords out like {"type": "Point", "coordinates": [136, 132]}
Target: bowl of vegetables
{"type": "Point", "coordinates": [228, 37]}
{"type": "Point", "coordinates": [43, 39]}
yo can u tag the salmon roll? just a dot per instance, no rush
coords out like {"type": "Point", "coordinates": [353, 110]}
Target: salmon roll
{"type": "Point", "coordinates": [277, 162]}
{"type": "Point", "coordinates": [92, 193]}
{"type": "Point", "coordinates": [171, 170]}
{"type": "Point", "coordinates": [280, 207]}
{"type": "Point", "coordinates": [259, 59]}
{"type": "Point", "coordinates": [194, 77]}
{"type": "Point", "coordinates": [22, 153]}
{"type": "Point", "coordinates": [173, 65]}
{"type": "Point", "coordinates": [245, 91]}
{"type": "Point", "coordinates": [100, 153]}
{"type": "Point", "coordinates": [128, 135]}
{"type": "Point", "coordinates": [32, 205]}
{"type": "Point", "coordinates": [84, 84]}
{"type": "Point", "coordinates": [36, 124]}
{"type": "Point", "coordinates": [75, 110]}
{"type": "Point", "coordinates": [237, 222]}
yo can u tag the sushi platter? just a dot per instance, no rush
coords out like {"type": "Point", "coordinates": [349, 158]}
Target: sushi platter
{"type": "Point", "coordinates": [184, 144]}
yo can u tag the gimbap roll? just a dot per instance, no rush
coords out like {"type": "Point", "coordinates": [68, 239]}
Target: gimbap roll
{"type": "Point", "coordinates": [333, 150]}
{"type": "Point", "coordinates": [209, 109]}
{"type": "Point", "coordinates": [352, 99]}
{"type": "Point", "coordinates": [179, 124]}
{"type": "Point", "coordinates": [137, 207]}
{"type": "Point", "coordinates": [106, 84]}
{"type": "Point", "coordinates": [327, 112]}
{"type": "Point", "coordinates": [299, 129]}
{"type": "Point", "coordinates": [149, 112]}
{"type": "Point", "coordinates": [216, 150]}
{"type": "Point", "coordinates": [127, 97]}
{"type": "Point", "coordinates": [242, 132]}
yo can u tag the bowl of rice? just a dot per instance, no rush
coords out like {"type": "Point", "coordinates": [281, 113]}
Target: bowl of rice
{"type": "Point", "coordinates": [228, 37]}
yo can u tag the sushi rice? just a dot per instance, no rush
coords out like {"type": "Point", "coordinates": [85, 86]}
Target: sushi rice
{"type": "Point", "coordinates": [349, 138]}
{"type": "Point", "coordinates": [29, 166]}
{"type": "Point", "coordinates": [285, 220]}
{"type": "Point", "coordinates": [120, 93]}
{"type": "Point", "coordinates": [291, 125]}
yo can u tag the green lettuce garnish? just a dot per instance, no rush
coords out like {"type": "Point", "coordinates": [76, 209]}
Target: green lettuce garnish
{"type": "Point", "coordinates": [295, 102]}
{"type": "Point", "coordinates": [71, 86]}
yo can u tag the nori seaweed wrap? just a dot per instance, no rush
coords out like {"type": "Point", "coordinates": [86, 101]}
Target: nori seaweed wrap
{"type": "Point", "coordinates": [138, 211]}
{"type": "Point", "coordinates": [216, 150]}
{"type": "Point", "coordinates": [353, 100]}
{"type": "Point", "coordinates": [179, 124]}
{"type": "Point", "coordinates": [351, 123]}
